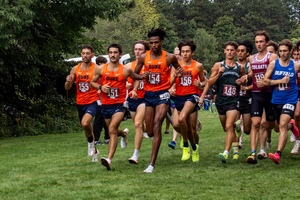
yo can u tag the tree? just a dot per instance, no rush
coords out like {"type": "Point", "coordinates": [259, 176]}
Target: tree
{"type": "Point", "coordinates": [35, 36]}
{"type": "Point", "coordinates": [206, 51]}
{"type": "Point", "coordinates": [130, 26]}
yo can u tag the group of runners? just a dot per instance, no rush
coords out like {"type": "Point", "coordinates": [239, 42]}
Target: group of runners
{"type": "Point", "coordinates": [245, 89]}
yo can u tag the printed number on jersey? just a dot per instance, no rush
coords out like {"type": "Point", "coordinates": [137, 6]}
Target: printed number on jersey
{"type": "Point", "coordinates": [113, 93]}
{"type": "Point", "coordinates": [154, 78]}
{"type": "Point", "coordinates": [259, 76]}
{"type": "Point", "coordinates": [185, 80]}
{"type": "Point", "coordinates": [283, 86]}
{"type": "Point", "coordinates": [84, 86]}
{"type": "Point", "coordinates": [141, 85]}
{"type": "Point", "coordinates": [229, 90]}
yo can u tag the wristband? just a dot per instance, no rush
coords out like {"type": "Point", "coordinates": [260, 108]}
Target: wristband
{"type": "Point", "coordinates": [100, 87]}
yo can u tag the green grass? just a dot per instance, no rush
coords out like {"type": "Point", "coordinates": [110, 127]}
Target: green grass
{"type": "Point", "coordinates": [57, 167]}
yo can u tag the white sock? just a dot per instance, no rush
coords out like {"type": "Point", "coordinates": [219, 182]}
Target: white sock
{"type": "Point", "coordinates": [226, 152]}
{"type": "Point", "coordinates": [136, 153]}
{"type": "Point", "coordinates": [298, 141]}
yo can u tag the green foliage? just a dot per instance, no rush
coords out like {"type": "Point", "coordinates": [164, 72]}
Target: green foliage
{"type": "Point", "coordinates": [206, 51]}
{"type": "Point", "coordinates": [35, 36]}
{"type": "Point", "coordinates": [129, 27]}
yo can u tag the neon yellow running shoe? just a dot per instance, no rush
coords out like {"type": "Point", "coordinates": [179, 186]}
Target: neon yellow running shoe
{"type": "Point", "coordinates": [223, 157]}
{"type": "Point", "coordinates": [185, 153]}
{"type": "Point", "coordinates": [195, 154]}
{"type": "Point", "coordinates": [235, 156]}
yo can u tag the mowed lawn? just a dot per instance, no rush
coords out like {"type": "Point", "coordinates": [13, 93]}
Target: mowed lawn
{"type": "Point", "coordinates": [57, 167]}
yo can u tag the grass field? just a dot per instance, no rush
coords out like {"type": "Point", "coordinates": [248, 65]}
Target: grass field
{"type": "Point", "coordinates": [57, 167]}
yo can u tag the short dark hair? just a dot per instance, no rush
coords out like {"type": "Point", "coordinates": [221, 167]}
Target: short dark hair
{"type": "Point", "coordinates": [157, 32]}
{"type": "Point", "coordinates": [115, 46]}
{"type": "Point", "coordinates": [101, 60]}
{"type": "Point", "coordinates": [87, 46]}
{"type": "Point", "coordinates": [286, 42]}
{"type": "Point", "coordinates": [144, 43]}
{"type": "Point", "coordinates": [273, 44]}
{"type": "Point", "coordinates": [189, 43]}
{"type": "Point", "coordinates": [263, 33]}
{"type": "Point", "coordinates": [230, 43]}
{"type": "Point", "coordinates": [247, 44]}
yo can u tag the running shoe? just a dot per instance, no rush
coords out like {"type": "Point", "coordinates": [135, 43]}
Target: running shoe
{"type": "Point", "coordinates": [91, 147]}
{"type": "Point", "coordinates": [251, 159]}
{"type": "Point", "coordinates": [294, 129]}
{"type": "Point", "coordinates": [295, 149]}
{"type": "Point", "coordinates": [275, 157]}
{"type": "Point", "coordinates": [133, 160]}
{"type": "Point", "coordinates": [172, 145]}
{"type": "Point", "coordinates": [185, 153]}
{"type": "Point", "coordinates": [149, 169]}
{"type": "Point", "coordinates": [223, 157]}
{"type": "Point", "coordinates": [124, 141]}
{"type": "Point", "coordinates": [235, 156]}
{"type": "Point", "coordinates": [195, 154]}
{"type": "Point", "coordinates": [238, 131]}
{"type": "Point", "coordinates": [106, 163]}
{"type": "Point", "coordinates": [145, 135]}
{"type": "Point", "coordinates": [262, 155]}
{"type": "Point", "coordinates": [95, 156]}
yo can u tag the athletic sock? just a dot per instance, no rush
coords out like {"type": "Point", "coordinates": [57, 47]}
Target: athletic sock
{"type": "Point", "coordinates": [253, 151]}
{"type": "Point", "coordinates": [279, 153]}
{"type": "Point", "coordinates": [136, 153]}
{"type": "Point", "coordinates": [235, 147]}
{"type": "Point", "coordinates": [226, 152]}
{"type": "Point", "coordinates": [90, 139]}
{"type": "Point", "coordinates": [186, 144]}
{"type": "Point", "coordinates": [194, 147]}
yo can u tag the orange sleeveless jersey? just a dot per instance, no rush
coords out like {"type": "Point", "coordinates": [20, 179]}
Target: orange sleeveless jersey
{"type": "Point", "coordinates": [159, 77]}
{"type": "Point", "coordinates": [85, 94]}
{"type": "Point", "coordinates": [117, 83]}
{"type": "Point", "coordinates": [185, 83]}
{"type": "Point", "coordinates": [140, 90]}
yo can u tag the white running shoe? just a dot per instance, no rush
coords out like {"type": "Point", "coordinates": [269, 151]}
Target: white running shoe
{"type": "Point", "coordinates": [133, 160]}
{"type": "Point", "coordinates": [292, 138]}
{"type": "Point", "coordinates": [145, 135]}
{"type": "Point", "coordinates": [95, 156]}
{"type": "Point", "coordinates": [91, 147]}
{"type": "Point", "coordinates": [149, 169]}
{"type": "Point", "coordinates": [123, 141]}
{"type": "Point", "coordinates": [295, 149]}
{"type": "Point", "coordinates": [262, 155]}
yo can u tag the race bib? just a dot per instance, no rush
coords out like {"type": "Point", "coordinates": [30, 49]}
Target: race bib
{"type": "Point", "coordinates": [113, 93]}
{"type": "Point", "coordinates": [258, 76]}
{"type": "Point", "coordinates": [154, 78]}
{"type": "Point", "coordinates": [283, 86]}
{"type": "Point", "coordinates": [289, 107]}
{"type": "Point", "coordinates": [164, 96]}
{"type": "Point", "coordinates": [243, 93]}
{"type": "Point", "coordinates": [185, 80]}
{"type": "Point", "coordinates": [83, 86]}
{"type": "Point", "coordinates": [141, 85]}
{"type": "Point", "coordinates": [229, 90]}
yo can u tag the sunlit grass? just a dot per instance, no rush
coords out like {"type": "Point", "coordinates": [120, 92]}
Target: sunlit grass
{"type": "Point", "coordinates": [57, 167]}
